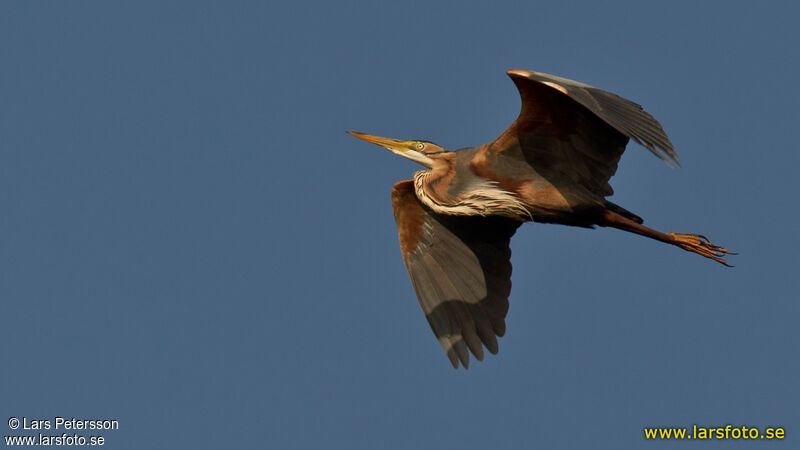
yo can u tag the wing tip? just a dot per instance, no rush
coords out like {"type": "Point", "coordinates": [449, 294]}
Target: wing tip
{"type": "Point", "coordinates": [518, 73]}
{"type": "Point", "coordinates": [665, 151]}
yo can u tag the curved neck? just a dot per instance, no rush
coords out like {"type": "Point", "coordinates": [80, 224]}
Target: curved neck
{"type": "Point", "coordinates": [432, 184]}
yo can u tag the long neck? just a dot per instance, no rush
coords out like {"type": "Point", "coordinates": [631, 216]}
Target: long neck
{"type": "Point", "coordinates": [432, 184]}
{"type": "Point", "coordinates": [451, 187]}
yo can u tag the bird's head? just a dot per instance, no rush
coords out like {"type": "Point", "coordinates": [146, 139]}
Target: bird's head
{"type": "Point", "coordinates": [422, 152]}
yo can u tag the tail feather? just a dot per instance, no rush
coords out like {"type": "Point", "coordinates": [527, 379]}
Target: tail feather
{"type": "Point", "coordinates": [623, 212]}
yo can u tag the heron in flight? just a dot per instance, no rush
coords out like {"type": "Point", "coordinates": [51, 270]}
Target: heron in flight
{"type": "Point", "coordinates": [552, 165]}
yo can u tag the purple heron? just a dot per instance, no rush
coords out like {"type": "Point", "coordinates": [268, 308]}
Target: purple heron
{"type": "Point", "coordinates": [552, 165]}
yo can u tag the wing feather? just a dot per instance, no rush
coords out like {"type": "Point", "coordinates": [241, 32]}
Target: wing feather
{"type": "Point", "coordinates": [461, 271]}
{"type": "Point", "coordinates": [572, 135]}
{"type": "Point", "coordinates": [627, 117]}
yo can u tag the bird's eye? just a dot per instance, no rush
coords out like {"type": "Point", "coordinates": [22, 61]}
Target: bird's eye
{"type": "Point", "coordinates": [420, 145]}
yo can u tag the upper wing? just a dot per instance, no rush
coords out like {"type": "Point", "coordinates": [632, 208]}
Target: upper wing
{"type": "Point", "coordinates": [567, 128]}
{"type": "Point", "coordinates": [461, 271]}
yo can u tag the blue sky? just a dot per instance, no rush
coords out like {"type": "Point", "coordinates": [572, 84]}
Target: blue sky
{"type": "Point", "coordinates": [191, 244]}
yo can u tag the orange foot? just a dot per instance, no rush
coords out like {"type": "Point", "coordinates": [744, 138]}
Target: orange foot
{"type": "Point", "coordinates": [699, 244]}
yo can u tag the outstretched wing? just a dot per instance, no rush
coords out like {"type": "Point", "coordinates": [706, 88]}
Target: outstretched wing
{"type": "Point", "coordinates": [570, 129]}
{"type": "Point", "coordinates": [461, 271]}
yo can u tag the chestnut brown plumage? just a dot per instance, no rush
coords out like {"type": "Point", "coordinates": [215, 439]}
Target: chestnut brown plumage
{"type": "Point", "coordinates": [551, 165]}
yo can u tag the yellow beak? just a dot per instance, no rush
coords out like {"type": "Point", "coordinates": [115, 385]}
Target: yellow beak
{"type": "Point", "coordinates": [391, 144]}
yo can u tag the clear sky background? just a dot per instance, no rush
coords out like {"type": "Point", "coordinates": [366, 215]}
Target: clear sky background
{"type": "Point", "coordinates": [191, 244]}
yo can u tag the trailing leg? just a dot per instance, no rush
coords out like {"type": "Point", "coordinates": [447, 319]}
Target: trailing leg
{"type": "Point", "coordinates": [695, 243]}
